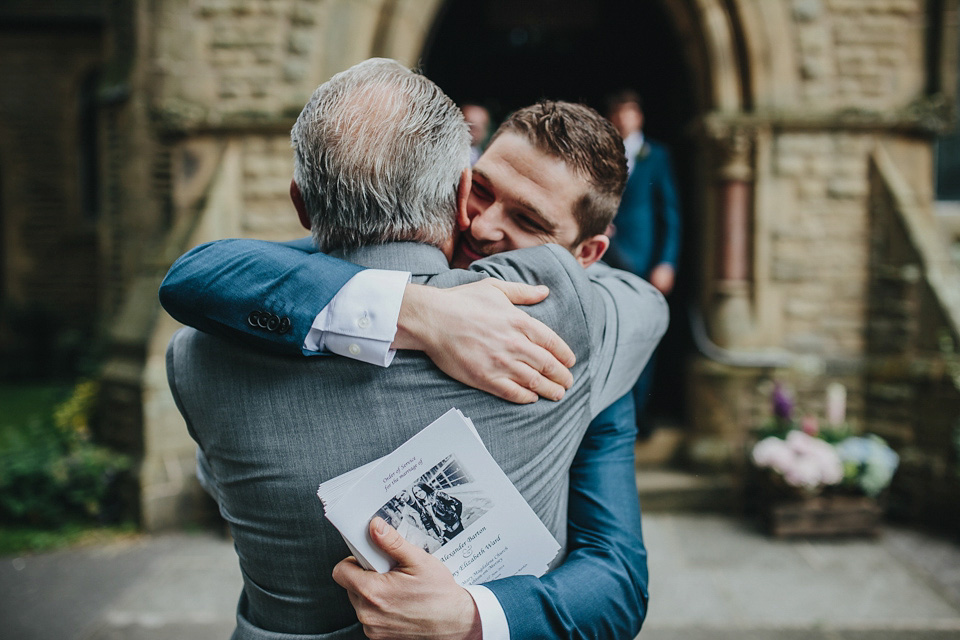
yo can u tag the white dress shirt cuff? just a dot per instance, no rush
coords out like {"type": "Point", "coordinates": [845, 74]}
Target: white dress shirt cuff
{"type": "Point", "coordinates": [493, 621]}
{"type": "Point", "coordinates": [360, 322]}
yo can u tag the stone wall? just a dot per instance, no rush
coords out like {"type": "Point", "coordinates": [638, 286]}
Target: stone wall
{"type": "Point", "coordinates": [219, 82]}
{"type": "Point", "coordinates": [49, 285]}
{"type": "Point", "coordinates": [857, 76]}
{"type": "Point", "coordinates": [913, 383]}
{"type": "Point", "coordinates": [246, 63]}
{"type": "Point", "coordinates": [859, 54]}
{"type": "Point", "coordinates": [818, 255]}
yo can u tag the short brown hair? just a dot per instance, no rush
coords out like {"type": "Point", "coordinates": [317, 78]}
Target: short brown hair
{"type": "Point", "coordinates": [587, 143]}
{"type": "Point", "coordinates": [621, 98]}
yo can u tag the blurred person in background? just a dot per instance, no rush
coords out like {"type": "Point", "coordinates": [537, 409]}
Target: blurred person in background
{"type": "Point", "coordinates": [645, 235]}
{"type": "Point", "coordinates": [478, 119]}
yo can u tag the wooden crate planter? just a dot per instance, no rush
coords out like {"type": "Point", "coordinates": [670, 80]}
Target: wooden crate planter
{"type": "Point", "coordinates": [816, 516]}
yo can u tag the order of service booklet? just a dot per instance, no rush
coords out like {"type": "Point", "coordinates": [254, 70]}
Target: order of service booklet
{"type": "Point", "coordinates": [444, 492]}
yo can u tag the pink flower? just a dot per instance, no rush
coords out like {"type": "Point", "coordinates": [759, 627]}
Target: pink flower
{"type": "Point", "coordinates": [802, 460]}
{"type": "Point", "coordinates": [810, 426]}
{"type": "Point", "coordinates": [805, 473]}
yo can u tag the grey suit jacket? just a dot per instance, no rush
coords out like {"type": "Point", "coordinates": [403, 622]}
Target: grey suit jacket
{"type": "Point", "coordinates": [270, 428]}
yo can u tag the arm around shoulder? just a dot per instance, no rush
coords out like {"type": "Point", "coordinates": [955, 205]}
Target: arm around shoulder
{"type": "Point", "coordinates": [264, 293]}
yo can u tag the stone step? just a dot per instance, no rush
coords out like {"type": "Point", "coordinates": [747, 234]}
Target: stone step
{"type": "Point", "coordinates": [662, 449]}
{"type": "Point", "coordinates": [664, 487]}
{"type": "Point", "coordinates": [671, 490]}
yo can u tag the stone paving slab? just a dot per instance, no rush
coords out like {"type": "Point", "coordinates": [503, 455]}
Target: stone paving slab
{"type": "Point", "coordinates": [149, 587]}
{"type": "Point", "coordinates": [714, 571]}
{"type": "Point", "coordinates": [190, 592]}
{"type": "Point", "coordinates": [712, 577]}
{"type": "Point", "coordinates": [812, 633]}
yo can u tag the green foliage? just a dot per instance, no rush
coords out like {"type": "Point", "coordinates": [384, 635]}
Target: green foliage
{"type": "Point", "coordinates": [956, 447]}
{"type": "Point", "coordinates": [23, 539]}
{"type": "Point", "coordinates": [50, 470]}
{"type": "Point", "coordinates": [779, 428]}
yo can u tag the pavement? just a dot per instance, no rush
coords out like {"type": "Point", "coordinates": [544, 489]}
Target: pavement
{"type": "Point", "coordinates": [712, 577]}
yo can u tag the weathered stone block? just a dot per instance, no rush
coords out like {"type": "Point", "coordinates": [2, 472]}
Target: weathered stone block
{"type": "Point", "coordinates": [788, 164]}
{"type": "Point", "coordinates": [804, 309]}
{"type": "Point", "coordinates": [807, 10]}
{"type": "Point", "coordinates": [811, 188]}
{"type": "Point", "coordinates": [843, 187]}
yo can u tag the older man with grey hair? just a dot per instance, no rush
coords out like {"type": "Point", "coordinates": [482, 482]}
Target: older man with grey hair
{"type": "Point", "coordinates": [379, 154]}
{"type": "Point", "coordinates": [370, 185]}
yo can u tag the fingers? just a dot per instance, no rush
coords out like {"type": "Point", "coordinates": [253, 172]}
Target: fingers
{"type": "Point", "coordinates": [539, 333]}
{"type": "Point", "coordinates": [518, 292]}
{"type": "Point", "coordinates": [509, 390]}
{"type": "Point", "coordinates": [531, 377]}
{"type": "Point", "coordinates": [522, 384]}
{"type": "Point", "coordinates": [393, 544]}
{"type": "Point", "coordinates": [545, 337]}
{"type": "Point", "coordinates": [347, 572]}
{"type": "Point", "coordinates": [554, 376]}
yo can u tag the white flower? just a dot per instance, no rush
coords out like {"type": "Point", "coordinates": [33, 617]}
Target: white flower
{"type": "Point", "coordinates": [772, 453]}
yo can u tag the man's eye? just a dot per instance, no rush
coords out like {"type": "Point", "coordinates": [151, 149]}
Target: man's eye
{"type": "Point", "coordinates": [529, 223]}
{"type": "Point", "coordinates": [481, 191]}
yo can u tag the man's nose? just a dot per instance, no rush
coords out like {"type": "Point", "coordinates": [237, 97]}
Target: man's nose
{"type": "Point", "coordinates": [487, 224]}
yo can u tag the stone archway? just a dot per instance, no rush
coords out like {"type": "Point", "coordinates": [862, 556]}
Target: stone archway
{"type": "Point", "coordinates": [695, 68]}
{"type": "Point", "coordinates": [225, 79]}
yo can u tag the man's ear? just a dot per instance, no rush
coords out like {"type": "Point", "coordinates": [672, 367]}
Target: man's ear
{"type": "Point", "coordinates": [463, 195]}
{"type": "Point", "coordinates": [299, 206]}
{"type": "Point", "coordinates": [591, 250]}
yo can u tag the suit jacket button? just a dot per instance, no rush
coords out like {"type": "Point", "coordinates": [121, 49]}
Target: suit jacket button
{"type": "Point", "coordinates": [253, 319]}
{"type": "Point", "coordinates": [263, 319]}
{"type": "Point", "coordinates": [273, 322]}
{"type": "Point", "coordinates": [284, 325]}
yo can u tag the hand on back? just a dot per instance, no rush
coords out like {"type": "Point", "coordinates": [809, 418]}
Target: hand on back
{"type": "Point", "coordinates": [476, 335]}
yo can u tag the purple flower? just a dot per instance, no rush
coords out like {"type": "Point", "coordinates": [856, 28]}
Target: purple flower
{"type": "Point", "coordinates": [782, 403]}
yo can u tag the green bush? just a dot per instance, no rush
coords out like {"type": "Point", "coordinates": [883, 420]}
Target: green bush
{"type": "Point", "coordinates": [50, 470]}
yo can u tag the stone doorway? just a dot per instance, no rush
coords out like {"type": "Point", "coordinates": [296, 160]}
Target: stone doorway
{"type": "Point", "coordinates": [506, 55]}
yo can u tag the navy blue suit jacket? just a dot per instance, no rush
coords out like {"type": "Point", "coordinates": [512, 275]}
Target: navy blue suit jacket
{"type": "Point", "coordinates": [648, 220]}
{"type": "Point", "coordinates": [600, 591]}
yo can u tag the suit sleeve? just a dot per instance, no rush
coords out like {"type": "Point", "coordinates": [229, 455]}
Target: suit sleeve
{"type": "Point", "coordinates": [634, 318]}
{"type": "Point", "coordinates": [601, 589]}
{"type": "Point", "coordinates": [263, 293]}
{"type": "Point", "coordinates": [668, 215]}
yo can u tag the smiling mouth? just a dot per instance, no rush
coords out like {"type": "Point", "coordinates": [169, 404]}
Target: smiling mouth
{"type": "Point", "coordinates": [468, 251]}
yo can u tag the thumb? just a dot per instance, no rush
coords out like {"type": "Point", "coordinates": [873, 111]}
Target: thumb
{"type": "Point", "coordinates": [392, 543]}
{"type": "Point", "coordinates": [520, 293]}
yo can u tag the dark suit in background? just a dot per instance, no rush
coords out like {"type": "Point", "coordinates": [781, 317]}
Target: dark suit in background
{"type": "Point", "coordinates": [647, 235]}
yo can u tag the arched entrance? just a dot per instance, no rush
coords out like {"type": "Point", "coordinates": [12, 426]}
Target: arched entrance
{"type": "Point", "coordinates": [506, 55]}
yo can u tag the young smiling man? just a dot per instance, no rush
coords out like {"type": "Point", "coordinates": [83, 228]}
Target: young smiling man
{"type": "Point", "coordinates": [526, 191]}
{"type": "Point", "coordinates": [522, 194]}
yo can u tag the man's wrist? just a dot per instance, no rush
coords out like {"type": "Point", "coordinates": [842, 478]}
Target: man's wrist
{"type": "Point", "coordinates": [490, 621]}
{"type": "Point", "coordinates": [410, 321]}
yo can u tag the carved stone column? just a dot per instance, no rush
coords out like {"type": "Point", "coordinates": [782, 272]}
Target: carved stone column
{"type": "Point", "coordinates": [733, 308]}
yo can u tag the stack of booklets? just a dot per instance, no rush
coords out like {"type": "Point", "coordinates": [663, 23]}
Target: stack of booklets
{"type": "Point", "coordinates": [443, 492]}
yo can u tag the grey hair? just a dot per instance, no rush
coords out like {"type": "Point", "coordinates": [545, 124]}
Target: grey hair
{"type": "Point", "coordinates": [379, 151]}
